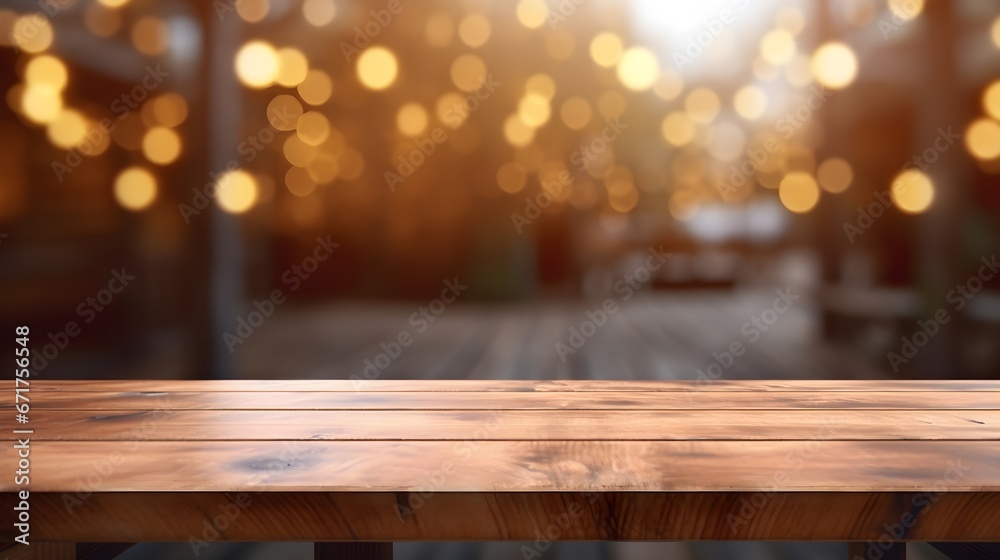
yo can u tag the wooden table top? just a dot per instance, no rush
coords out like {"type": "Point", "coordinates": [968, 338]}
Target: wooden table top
{"type": "Point", "coordinates": [497, 460]}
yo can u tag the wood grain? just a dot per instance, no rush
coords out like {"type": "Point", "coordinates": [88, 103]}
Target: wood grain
{"type": "Point", "coordinates": [538, 425]}
{"type": "Point", "coordinates": [604, 400]}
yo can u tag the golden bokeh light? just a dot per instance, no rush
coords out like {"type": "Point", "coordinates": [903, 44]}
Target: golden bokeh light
{"type": "Point", "coordinates": [995, 32]}
{"type": "Point", "coordinates": [169, 109]}
{"type": "Point", "coordinates": [638, 69]}
{"type": "Point", "coordinates": [257, 64]}
{"type": "Point", "coordinates": [292, 67]}
{"type": "Point", "coordinates": [534, 110]}
{"type": "Point", "coordinates": [511, 177]}
{"type": "Point", "coordinates": [798, 192]}
{"type": "Point", "coordinates": [468, 72]}
{"type": "Point", "coordinates": [834, 175]}
{"type": "Point", "coordinates": [253, 11]}
{"type": "Point", "coordinates": [750, 102]}
{"type": "Point", "coordinates": [669, 86]}
{"type": "Point", "coordinates": [316, 88]}
{"type": "Point", "coordinates": [297, 152]}
{"type": "Point", "coordinates": [46, 70]}
{"type": "Point", "coordinates": [606, 49]}
{"type": "Point", "coordinates": [517, 132]}
{"type": "Point", "coordinates": [541, 84]}
{"type": "Point", "coordinates": [236, 191]}
{"type": "Point", "coordinates": [624, 200]}
{"type": "Point", "coordinates": [912, 191]}
{"type": "Point", "coordinates": [135, 188]}
{"type": "Point", "coordinates": [532, 13]}
{"type": "Point", "coordinates": [834, 65]}
{"type": "Point", "coordinates": [678, 129]}
{"type": "Point", "coordinates": [67, 130]}
{"type": "Point", "coordinates": [702, 105]}
{"type": "Point", "coordinates": [319, 13]}
{"type": "Point", "coordinates": [161, 145]}
{"type": "Point", "coordinates": [906, 9]}
{"type": "Point", "coordinates": [412, 119]}
{"type": "Point", "coordinates": [283, 112]}
{"type": "Point", "coordinates": [313, 128]}
{"type": "Point", "coordinates": [32, 33]}
{"type": "Point", "coordinates": [576, 113]}
{"type": "Point", "coordinates": [299, 182]}
{"type": "Point", "coordinates": [991, 100]}
{"type": "Point", "coordinates": [324, 168]}
{"type": "Point", "coordinates": [41, 103]}
{"type": "Point", "coordinates": [377, 68]}
{"type": "Point", "coordinates": [982, 139]}
{"type": "Point", "coordinates": [113, 3]}
{"type": "Point", "coordinates": [439, 30]}
{"type": "Point", "coordinates": [450, 109]}
{"type": "Point", "coordinates": [474, 30]}
{"type": "Point", "coordinates": [150, 35]}
{"type": "Point", "coordinates": [777, 47]}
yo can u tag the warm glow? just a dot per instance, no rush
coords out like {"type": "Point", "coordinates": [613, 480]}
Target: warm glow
{"type": "Point", "coordinates": [319, 13]}
{"type": "Point", "coordinates": [982, 139]}
{"type": "Point", "coordinates": [313, 128]}
{"type": "Point", "coordinates": [170, 109]}
{"type": "Point", "coordinates": [750, 102]}
{"type": "Point", "coordinates": [41, 103]}
{"type": "Point", "coordinates": [46, 70]}
{"type": "Point", "coordinates": [511, 177]}
{"type": "Point", "coordinates": [678, 129]}
{"type": "Point", "coordinates": [149, 35]}
{"type": "Point", "coordinates": [532, 13]}
{"type": "Point", "coordinates": [32, 32]}
{"type": "Point", "coordinates": [253, 11]}
{"type": "Point", "coordinates": [912, 191]}
{"type": "Point", "coordinates": [541, 84]}
{"type": "Point", "coordinates": [377, 68]}
{"type": "Point", "coordinates": [534, 110]}
{"type": "Point", "coordinates": [906, 9]}
{"type": "Point", "coordinates": [777, 47]}
{"type": "Point", "coordinates": [135, 188]}
{"type": "Point", "coordinates": [161, 145]}
{"type": "Point", "coordinates": [669, 86]}
{"type": "Point", "coordinates": [576, 113]}
{"type": "Point", "coordinates": [468, 72]}
{"type": "Point", "coordinates": [517, 132]}
{"type": "Point", "coordinates": [412, 119]}
{"type": "Point", "coordinates": [297, 152]}
{"type": "Point", "coordinates": [299, 181]}
{"type": "Point", "coordinates": [638, 69]}
{"type": "Point", "coordinates": [606, 49]}
{"type": "Point", "coordinates": [702, 105]}
{"type": "Point", "coordinates": [236, 191]}
{"type": "Point", "coordinates": [439, 30]}
{"type": "Point", "coordinates": [798, 192]}
{"type": "Point", "coordinates": [257, 64]}
{"type": "Point", "coordinates": [283, 112]}
{"type": "Point", "coordinates": [113, 3]}
{"type": "Point", "coordinates": [68, 129]}
{"type": "Point", "coordinates": [316, 88]}
{"type": "Point", "coordinates": [611, 104]}
{"type": "Point", "coordinates": [834, 175]}
{"type": "Point", "coordinates": [474, 30]}
{"type": "Point", "coordinates": [991, 100]}
{"type": "Point", "coordinates": [292, 67]}
{"type": "Point", "coordinates": [834, 65]}
{"type": "Point", "coordinates": [450, 108]}
{"type": "Point", "coordinates": [995, 32]}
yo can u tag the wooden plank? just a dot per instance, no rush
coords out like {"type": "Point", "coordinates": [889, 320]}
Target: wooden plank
{"type": "Point", "coordinates": [540, 425]}
{"type": "Point", "coordinates": [353, 551]}
{"type": "Point", "coordinates": [511, 466]}
{"type": "Point", "coordinates": [472, 385]}
{"type": "Point", "coordinates": [609, 400]}
{"type": "Point", "coordinates": [470, 516]}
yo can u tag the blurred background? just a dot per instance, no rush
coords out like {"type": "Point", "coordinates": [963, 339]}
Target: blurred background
{"type": "Point", "coordinates": [588, 189]}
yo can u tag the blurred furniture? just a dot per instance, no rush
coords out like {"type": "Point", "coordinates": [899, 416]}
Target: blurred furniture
{"type": "Point", "coordinates": [356, 464]}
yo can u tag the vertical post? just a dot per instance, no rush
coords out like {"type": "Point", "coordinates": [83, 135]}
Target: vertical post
{"type": "Point", "coordinates": [353, 551]}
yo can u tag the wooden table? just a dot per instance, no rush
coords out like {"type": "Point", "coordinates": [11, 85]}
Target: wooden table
{"type": "Point", "coordinates": [356, 467]}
